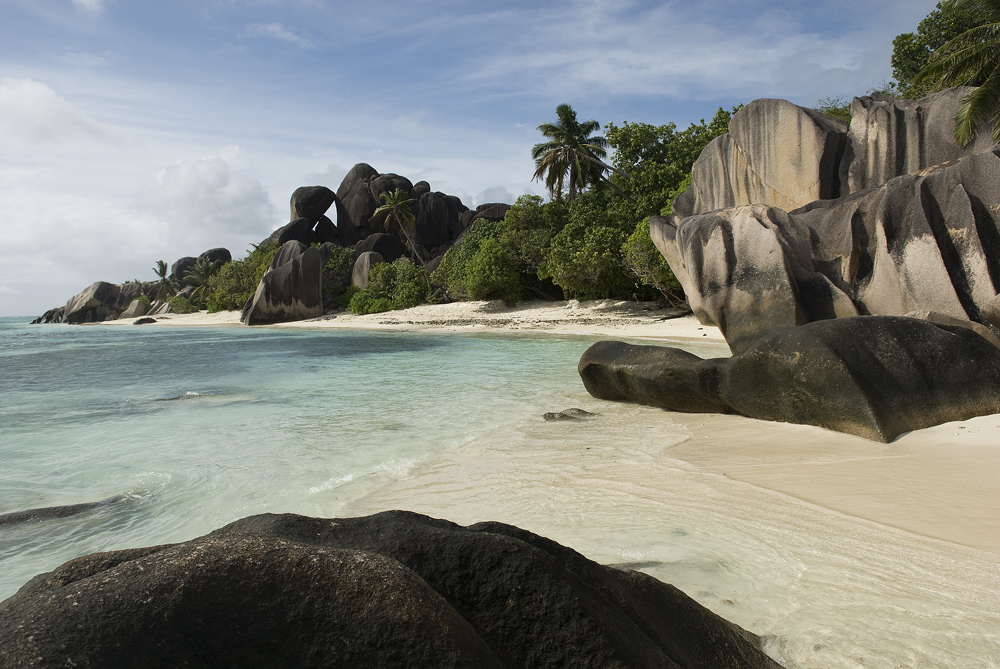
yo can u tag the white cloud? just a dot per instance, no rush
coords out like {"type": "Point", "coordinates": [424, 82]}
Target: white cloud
{"type": "Point", "coordinates": [276, 31]}
{"type": "Point", "coordinates": [331, 177]}
{"type": "Point", "coordinates": [5, 290]}
{"type": "Point", "coordinates": [204, 204]}
{"type": "Point", "coordinates": [35, 112]}
{"type": "Point", "coordinates": [495, 194]}
{"type": "Point", "coordinates": [93, 6]}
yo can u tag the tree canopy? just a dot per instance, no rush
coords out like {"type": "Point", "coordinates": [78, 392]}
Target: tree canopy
{"type": "Point", "coordinates": [572, 150]}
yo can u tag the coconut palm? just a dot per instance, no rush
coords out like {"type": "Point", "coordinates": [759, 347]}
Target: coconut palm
{"type": "Point", "coordinates": [199, 276]}
{"type": "Point", "coordinates": [399, 220]}
{"type": "Point", "coordinates": [571, 151]}
{"type": "Point", "coordinates": [971, 59]}
{"type": "Point", "coordinates": [167, 287]}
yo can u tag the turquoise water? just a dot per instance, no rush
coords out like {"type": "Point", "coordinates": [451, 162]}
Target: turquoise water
{"type": "Point", "coordinates": [200, 426]}
{"type": "Point", "coordinates": [197, 427]}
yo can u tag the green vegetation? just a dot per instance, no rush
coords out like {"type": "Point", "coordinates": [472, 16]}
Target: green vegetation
{"type": "Point", "coordinates": [572, 150]}
{"type": "Point", "coordinates": [200, 276]}
{"type": "Point", "coordinates": [838, 108]}
{"type": "Point", "coordinates": [399, 219]}
{"type": "Point", "coordinates": [166, 287]}
{"type": "Point", "coordinates": [912, 52]}
{"type": "Point", "coordinates": [595, 245]}
{"type": "Point", "coordinates": [182, 305]}
{"type": "Point", "coordinates": [237, 280]}
{"type": "Point", "coordinates": [970, 58]}
{"type": "Point", "coordinates": [337, 277]}
{"type": "Point", "coordinates": [396, 285]}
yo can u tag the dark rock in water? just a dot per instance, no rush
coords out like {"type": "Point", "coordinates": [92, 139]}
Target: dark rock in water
{"type": "Point", "coordinates": [363, 268]}
{"type": "Point", "coordinates": [568, 414]}
{"type": "Point", "coordinates": [291, 288]}
{"type": "Point", "coordinates": [387, 246]}
{"type": "Point", "coordinates": [50, 512]}
{"type": "Point", "coordinates": [873, 376]}
{"type": "Point", "coordinates": [144, 321]}
{"type": "Point", "coordinates": [180, 268]}
{"type": "Point", "coordinates": [51, 316]}
{"type": "Point", "coordinates": [94, 304]}
{"type": "Point", "coordinates": [394, 589]}
{"type": "Point", "coordinates": [220, 255]}
{"type": "Point", "coordinates": [311, 202]}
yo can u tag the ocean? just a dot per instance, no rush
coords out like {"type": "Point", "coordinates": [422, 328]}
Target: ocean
{"type": "Point", "coordinates": [191, 428]}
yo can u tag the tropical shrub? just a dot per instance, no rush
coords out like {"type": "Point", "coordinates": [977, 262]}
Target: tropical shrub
{"type": "Point", "coordinates": [182, 305]}
{"type": "Point", "coordinates": [237, 280]}
{"type": "Point", "coordinates": [337, 274]}
{"type": "Point", "coordinates": [645, 262]}
{"type": "Point", "coordinates": [396, 285]}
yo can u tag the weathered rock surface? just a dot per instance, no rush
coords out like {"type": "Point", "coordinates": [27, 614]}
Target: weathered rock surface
{"type": "Point", "coordinates": [394, 589]}
{"type": "Point", "coordinates": [921, 242]}
{"type": "Point", "coordinates": [95, 303]}
{"type": "Point", "coordinates": [873, 376]}
{"type": "Point", "coordinates": [890, 137]}
{"type": "Point", "coordinates": [299, 230]}
{"type": "Point", "coordinates": [776, 153]}
{"type": "Point", "coordinates": [386, 245]}
{"type": "Point", "coordinates": [181, 267]}
{"type": "Point", "coordinates": [135, 309]}
{"type": "Point", "coordinates": [363, 268]}
{"type": "Point", "coordinates": [220, 255]}
{"type": "Point", "coordinates": [310, 202]}
{"type": "Point", "coordinates": [356, 204]}
{"type": "Point", "coordinates": [291, 288]}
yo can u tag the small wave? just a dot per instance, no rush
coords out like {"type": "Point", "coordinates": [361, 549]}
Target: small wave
{"type": "Point", "coordinates": [186, 396]}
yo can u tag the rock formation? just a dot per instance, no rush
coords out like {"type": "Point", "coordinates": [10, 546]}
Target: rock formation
{"type": "Point", "coordinates": [920, 238]}
{"type": "Point", "coordinates": [291, 288]}
{"type": "Point", "coordinates": [363, 268]}
{"type": "Point", "coordinates": [393, 589]}
{"type": "Point", "coordinates": [873, 376]}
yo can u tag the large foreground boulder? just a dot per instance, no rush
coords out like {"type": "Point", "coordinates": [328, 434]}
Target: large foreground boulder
{"type": "Point", "coordinates": [391, 590]}
{"type": "Point", "coordinates": [873, 376]}
{"type": "Point", "coordinates": [291, 288]}
{"type": "Point", "coordinates": [96, 302]}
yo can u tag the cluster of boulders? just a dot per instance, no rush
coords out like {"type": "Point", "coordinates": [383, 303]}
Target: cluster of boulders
{"type": "Point", "coordinates": [796, 218]}
{"type": "Point", "coordinates": [291, 287]}
{"type": "Point", "coordinates": [104, 301]}
{"type": "Point", "coordinates": [295, 292]}
{"type": "Point", "coordinates": [395, 589]}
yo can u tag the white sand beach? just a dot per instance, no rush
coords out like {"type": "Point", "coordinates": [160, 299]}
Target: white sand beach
{"type": "Point", "coordinates": [942, 482]}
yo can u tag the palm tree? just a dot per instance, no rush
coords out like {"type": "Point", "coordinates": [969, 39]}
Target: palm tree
{"type": "Point", "coordinates": [571, 150]}
{"type": "Point", "coordinates": [399, 219]}
{"type": "Point", "coordinates": [971, 59]}
{"type": "Point", "coordinates": [199, 275]}
{"type": "Point", "coordinates": [167, 287]}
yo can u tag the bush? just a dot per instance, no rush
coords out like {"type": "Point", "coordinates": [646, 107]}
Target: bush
{"type": "Point", "coordinates": [337, 275]}
{"type": "Point", "coordinates": [491, 274]}
{"type": "Point", "coordinates": [585, 261]}
{"type": "Point", "coordinates": [182, 305]}
{"type": "Point", "coordinates": [237, 280]}
{"type": "Point", "coordinates": [397, 285]}
{"type": "Point", "coordinates": [645, 262]}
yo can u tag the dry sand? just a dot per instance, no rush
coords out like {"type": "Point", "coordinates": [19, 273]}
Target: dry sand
{"type": "Point", "coordinates": [941, 482]}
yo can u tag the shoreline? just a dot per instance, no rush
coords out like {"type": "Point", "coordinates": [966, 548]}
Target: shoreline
{"type": "Point", "coordinates": [941, 482]}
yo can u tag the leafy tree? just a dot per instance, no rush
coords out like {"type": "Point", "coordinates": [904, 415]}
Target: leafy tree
{"type": "Point", "coordinates": [911, 52]}
{"type": "Point", "coordinates": [337, 276]}
{"type": "Point", "coordinates": [237, 280]}
{"type": "Point", "coordinates": [480, 267]}
{"type": "Point", "coordinates": [645, 262]}
{"type": "Point", "coordinates": [399, 220]}
{"type": "Point", "coordinates": [396, 285]}
{"type": "Point", "coordinates": [572, 150]}
{"type": "Point", "coordinates": [971, 58]}
{"type": "Point", "coordinates": [182, 305]}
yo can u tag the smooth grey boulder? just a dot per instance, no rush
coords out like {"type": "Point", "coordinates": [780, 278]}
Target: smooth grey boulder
{"type": "Point", "coordinates": [776, 153]}
{"type": "Point", "coordinates": [310, 202]}
{"type": "Point", "coordinates": [181, 267]}
{"type": "Point", "coordinates": [890, 137]}
{"type": "Point", "coordinates": [298, 230]}
{"type": "Point", "coordinates": [388, 183]}
{"type": "Point", "coordinates": [220, 255]}
{"type": "Point", "coordinates": [396, 589]}
{"type": "Point", "coordinates": [291, 288]}
{"type": "Point", "coordinates": [873, 376]}
{"type": "Point", "coordinates": [386, 245]}
{"type": "Point", "coordinates": [93, 304]}
{"type": "Point", "coordinates": [356, 204]}
{"type": "Point", "coordinates": [135, 309]}
{"type": "Point", "coordinates": [363, 268]}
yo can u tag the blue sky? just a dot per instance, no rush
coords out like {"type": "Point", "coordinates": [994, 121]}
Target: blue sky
{"type": "Point", "coordinates": [134, 131]}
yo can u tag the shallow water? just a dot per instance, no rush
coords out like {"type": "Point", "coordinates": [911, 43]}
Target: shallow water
{"type": "Point", "coordinates": [199, 427]}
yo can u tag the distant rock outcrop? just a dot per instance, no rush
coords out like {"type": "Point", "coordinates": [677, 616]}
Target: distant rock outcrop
{"type": "Point", "coordinates": [98, 302]}
{"type": "Point", "coordinates": [291, 289]}
{"type": "Point", "coordinates": [873, 376]}
{"type": "Point", "coordinates": [394, 589]}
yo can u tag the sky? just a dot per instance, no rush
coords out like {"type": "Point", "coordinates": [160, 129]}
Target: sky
{"type": "Point", "coordinates": [133, 131]}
